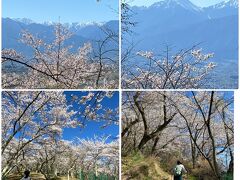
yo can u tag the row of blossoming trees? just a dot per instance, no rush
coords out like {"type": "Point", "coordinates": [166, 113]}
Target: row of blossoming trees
{"type": "Point", "coordinates": [58, 65]}
{"type": "Point", "coordinates": [196, 127]}
{"type": "Point", "coordinates": [32, 128]}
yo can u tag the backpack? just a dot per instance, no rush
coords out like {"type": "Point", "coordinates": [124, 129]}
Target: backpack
{"type": "Point", "coordinates": [178, 170]}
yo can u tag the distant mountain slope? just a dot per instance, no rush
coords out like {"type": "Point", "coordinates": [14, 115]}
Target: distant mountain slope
{"type": "Point", "coordinates": [93, 31]}
{"type": "Point", "coordinates": [166, 15]}
{"type": "Point", "coordinates": [217, 35]}
{"type": "Point", "coordinates": [182, 24]}
{"type": "Point", "coordinates": [225, 8]}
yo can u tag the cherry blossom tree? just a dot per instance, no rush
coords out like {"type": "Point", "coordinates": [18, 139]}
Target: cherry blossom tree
{"type": "Point", "coordinates": [56, 65]}
{"type": "Point", "coordinates": [33, 123]}
{"type": "Point", "coordinates": [149, 113]}
{"type": "Point", "coordinates": [209, 134]}
{"type": "Point", "coordinates": [185, 69]}
{"type": "Point", "coordinates": [100, 155]}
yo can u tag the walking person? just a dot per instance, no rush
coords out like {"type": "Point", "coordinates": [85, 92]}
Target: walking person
{"type": "Point", "coordinates": [179, 170]}
{"type": "Point", "coordinates": [26, 175]}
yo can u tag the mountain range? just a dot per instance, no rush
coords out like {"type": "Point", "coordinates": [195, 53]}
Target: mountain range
{"type": "Point", "coordinates": [182, 24]}
{"type": "Point", "coordinates": [12, 28]}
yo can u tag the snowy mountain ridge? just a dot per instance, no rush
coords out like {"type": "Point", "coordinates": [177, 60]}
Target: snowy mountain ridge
{"type": "Point", "coordinates": [28, 21]}
{"type": "Point", "coordinates": [186, 4]}
{"type": "Point", "coordinates": [226, 3]}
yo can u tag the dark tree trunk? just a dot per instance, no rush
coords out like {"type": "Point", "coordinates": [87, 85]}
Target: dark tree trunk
{"type": "Point", "coordinates": [155, 145]}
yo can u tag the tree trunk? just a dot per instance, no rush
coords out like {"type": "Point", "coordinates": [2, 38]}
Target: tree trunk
{"type": "Point", "coordinates": [193, 148]}
{"type": "Point", "coordinates": [212, 138]}
{"type": "Point", "coordinates": [143, 141]}
{"type": "Point", "coordinates": [155, 145]}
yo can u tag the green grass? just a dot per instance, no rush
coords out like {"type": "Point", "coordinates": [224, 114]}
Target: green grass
{"type": "Point", "coordinates": [192, 177]}
{"type": "Point", "coordinates": [227, 176]}
{"type": "Point", "coordinates": [137, 157]}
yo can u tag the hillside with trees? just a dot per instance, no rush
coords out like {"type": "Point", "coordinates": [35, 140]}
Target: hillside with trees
{"type": "Point", "coordinates": [193, 127]}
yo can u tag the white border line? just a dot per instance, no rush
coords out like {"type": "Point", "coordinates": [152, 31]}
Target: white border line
{"type": "Point", "coordinates": [1, 88]}
{"type": "Point", "coordinates": [236, 134]}
{"type": "Point", "coordinates": [119, 89]}
{"type": "Point", "coordinates": [176, 90]}
{"type": "Point", "coordinates": [236, 100]}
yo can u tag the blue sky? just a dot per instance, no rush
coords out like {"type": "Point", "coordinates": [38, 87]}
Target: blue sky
{"type": "Point", "coordinates": [82, 11]}
{"type": "Point", "coordinates": [93, 128]}
{"type": "Point", "coordinates": [201, 3]}
{"type": "Point", "coordinates": [226, 95]}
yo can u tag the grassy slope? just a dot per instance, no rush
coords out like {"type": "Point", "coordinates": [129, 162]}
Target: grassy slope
{"type": "Point", "coordinates": [138, 167]}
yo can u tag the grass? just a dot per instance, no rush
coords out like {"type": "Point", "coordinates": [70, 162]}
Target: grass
{"type": "Point", "coordinates": [227, 176]}
{"type": "Point", "coordinates": [136, 166]}
{"type": "Point", "coordinates": [192, 177]}
{"type": "Point", "coordinates": [64, 178]}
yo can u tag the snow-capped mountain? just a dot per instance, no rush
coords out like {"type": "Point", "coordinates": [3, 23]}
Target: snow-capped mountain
{"type": "Point", "coordinates": [224, 8]}
{"type": "Point", "coordinates": [12, 28]}
{"type": "Point", "coordinates": [183, 24]}
{"type": "Point", "coordinates": [225, 4]}
{"type": "Point", "coordinates": [87, 24]}
{"type": "Point", "coordinates": [186, 4]}
{"type": "Point", "coordinates": [24, 20]}
{"type": "Point", "coordinates": [89, 30]}
{"type": "Point", "coordinates": [74, 25]}
{"type": "Point", "coordinates": [159, 14]}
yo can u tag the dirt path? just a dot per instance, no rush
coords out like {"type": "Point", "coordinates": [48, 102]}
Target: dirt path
{"type": "Point", "coordinates": [140, 167]}
{"type": "Point", "coordinates": [161, 173]}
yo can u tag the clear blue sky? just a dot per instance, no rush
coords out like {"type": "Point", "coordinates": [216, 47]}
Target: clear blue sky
{"type": "Point", "coordinates": [201, 3]}
{"type": "Point", "coordinates": [93, 128]}
{"type": "Point", "coordinates": [68, 10]}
